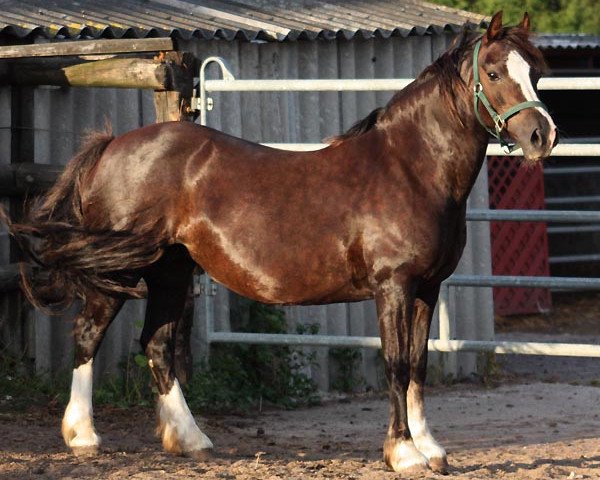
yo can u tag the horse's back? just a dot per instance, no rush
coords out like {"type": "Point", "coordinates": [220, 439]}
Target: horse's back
{"type": "Point", "coordinates": [144, 172]}
{"type": "Point", "coordinates": [248, 214]}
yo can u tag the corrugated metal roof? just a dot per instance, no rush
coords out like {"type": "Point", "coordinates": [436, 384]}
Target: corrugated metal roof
{"type": "Point", "coordinates": [267, 20]}
{"type": "Point", "coordinates": [567, 41]}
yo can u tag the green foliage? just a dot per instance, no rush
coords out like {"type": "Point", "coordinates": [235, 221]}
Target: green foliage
{"type": "Point", "coordinates": [19, 391]}
{"type": "Point", "coordinates": [132, 386]}
{"type": "Point", "coordinates": [491, 371]}
{"type": "Point", "coordinates": [437, 377]}
{"type": "Point", "coordinates": [307, 328]}
{"type": "Point", "coordinates": [347, 361]}
{"type": "Point", "coordinates": [239, 377]}
{"type": "Point", "coordinates": [244, 376]}
{"type": "Point", "coordinates": [553, 16]}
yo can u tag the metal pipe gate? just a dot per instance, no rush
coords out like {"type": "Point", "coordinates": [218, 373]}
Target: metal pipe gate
{"type": "Point", "coordinates": [445, 343]}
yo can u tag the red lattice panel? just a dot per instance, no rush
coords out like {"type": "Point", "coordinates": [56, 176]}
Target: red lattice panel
{"type": "Point", "coordinates": [518, 248]}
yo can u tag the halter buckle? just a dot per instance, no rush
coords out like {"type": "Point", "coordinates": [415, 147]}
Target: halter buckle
{"type": "Point", "coordinates": [499, 124]}
{"type": "Point", "coordinates": [478, 88]}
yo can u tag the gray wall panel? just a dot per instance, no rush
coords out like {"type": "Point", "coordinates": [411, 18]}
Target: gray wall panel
{"type": "Point", "coordinates": [61, 115]}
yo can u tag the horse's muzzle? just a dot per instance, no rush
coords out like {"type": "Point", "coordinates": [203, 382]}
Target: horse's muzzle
{"type": "Point", "coordinates": [541, 140]}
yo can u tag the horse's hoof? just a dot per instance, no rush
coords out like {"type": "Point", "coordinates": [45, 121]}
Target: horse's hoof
{"type": "Point", "coordinates": [201, 455]}
{"type": "Point", "coordinates": [403, 457]}
{"type": "Point", "coordinates": [415, 470]}
{"type": "Point", "coordinates": [85, 451]}
{"type": "Point", "coordinates": [439, 465]}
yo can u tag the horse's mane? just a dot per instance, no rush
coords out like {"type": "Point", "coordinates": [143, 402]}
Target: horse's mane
{"type": "Point", "coordinates": [447, 70]}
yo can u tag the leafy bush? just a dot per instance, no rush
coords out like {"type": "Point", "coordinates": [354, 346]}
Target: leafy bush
{"type": "Point", "coordinates": [241, 376]}
{"type": "Point", "coordinates": [238, 377]}
{"type": "Point", "coordinates": [19, 391]}
{"type": "Point", "coordinates": [347, 360]}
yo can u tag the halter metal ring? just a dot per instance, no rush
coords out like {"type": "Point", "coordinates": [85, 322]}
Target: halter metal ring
{"type": "Point", "coordinates": [478, 87]}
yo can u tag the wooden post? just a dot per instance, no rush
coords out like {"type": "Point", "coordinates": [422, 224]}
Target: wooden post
{"type": "Point", "coordinates": [17, 179]}
{"type": "Point", "coordinates": [169, 75]}
{"type": "Point", "coordinates": [19, 318]}
{"type": "Point", "coordinates": [169, 106]}
{"type": "Point", "coordinates": [173, 105]}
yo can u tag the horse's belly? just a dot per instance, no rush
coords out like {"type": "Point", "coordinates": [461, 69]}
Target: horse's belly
{"type": "Point", "coordinates": [271, 272]}
{"type": "Point", "coordinates": [284, 285]}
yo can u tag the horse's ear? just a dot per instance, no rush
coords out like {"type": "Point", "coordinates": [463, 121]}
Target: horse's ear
{"type": "Point", "coordinates": [525, 23]}
{"type": "Point", "coordinates": [495, 27]}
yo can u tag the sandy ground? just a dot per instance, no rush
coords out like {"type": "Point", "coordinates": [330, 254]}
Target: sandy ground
{"type": "Point", "coordinates": [521, 431]}
{"type": "Point", "coordinates": [542, 422]}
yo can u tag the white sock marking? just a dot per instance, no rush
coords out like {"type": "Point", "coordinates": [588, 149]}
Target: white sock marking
{"type": "Point", "coordinates": [177, 419]}
{"type": "Point", "coordinates": [518, 70]}
{"type": "Point", "coordinates": [405, 455]}
{"type": "Point", "coordinates": [419, 430]}
{"type": "Point", "coordinates": [79, 413]}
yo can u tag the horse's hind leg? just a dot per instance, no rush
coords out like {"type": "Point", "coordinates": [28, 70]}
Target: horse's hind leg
{"type": "Point", "coordinates": [422, 437]}
{"type": "Point", "coordinates": [88, 330]}
{"type": "Point", "coordinates": [168, 282]}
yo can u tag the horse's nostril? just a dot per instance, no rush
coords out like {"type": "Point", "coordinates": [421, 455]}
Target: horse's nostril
{"type": "Point", "coordinates": [536, 138]}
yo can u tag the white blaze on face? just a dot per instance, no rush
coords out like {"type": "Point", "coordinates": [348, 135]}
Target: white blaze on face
{"type": "Point", "coordinates": [518, 70]}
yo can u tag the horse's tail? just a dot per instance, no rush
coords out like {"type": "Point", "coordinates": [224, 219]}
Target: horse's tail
{"type": "Point", "coordinates": [65, 259]}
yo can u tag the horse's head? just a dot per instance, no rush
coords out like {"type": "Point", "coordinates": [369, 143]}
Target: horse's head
{"type": "Point", "coordinates": [506, 67]}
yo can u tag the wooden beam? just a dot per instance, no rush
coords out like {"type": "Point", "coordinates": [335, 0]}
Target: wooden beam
{"type": "Point", "coordinates": [88, 47]}
{"type": "Point", "coordinates": [112, 73]}
{"type": "Point", "coordinates": [19, 178]}
{"type": "Point", "coordinates": [9, 277]}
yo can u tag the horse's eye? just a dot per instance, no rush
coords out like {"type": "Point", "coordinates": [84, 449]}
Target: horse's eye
{"type": "Point", "coordinates": [493, 76]}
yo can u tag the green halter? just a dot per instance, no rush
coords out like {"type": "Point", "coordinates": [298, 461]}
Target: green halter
{"type": "Point", "coordinates": [499, 120]}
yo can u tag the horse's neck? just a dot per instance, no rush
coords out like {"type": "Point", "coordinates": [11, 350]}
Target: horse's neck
{"type": "Point", "coordinates": [453, 147]}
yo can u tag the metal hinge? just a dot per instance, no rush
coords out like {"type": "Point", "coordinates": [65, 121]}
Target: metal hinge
{"type": "Point", "coordinates": [196, 103]}
{"type": "Point", "coordinates": [204, 286]}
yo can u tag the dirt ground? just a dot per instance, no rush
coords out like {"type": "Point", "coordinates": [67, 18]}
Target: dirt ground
{"type": "Point", "coordinates": [538, 423]}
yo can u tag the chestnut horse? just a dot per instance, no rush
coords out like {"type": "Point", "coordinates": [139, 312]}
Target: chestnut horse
{"type": "Point", "coordinates": [379, 213]}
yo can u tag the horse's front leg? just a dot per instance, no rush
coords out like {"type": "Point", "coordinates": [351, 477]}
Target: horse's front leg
{"type": "Point", "coordinates": [422, 437]}
{"type": "Point", "coordinates": [395, 300]}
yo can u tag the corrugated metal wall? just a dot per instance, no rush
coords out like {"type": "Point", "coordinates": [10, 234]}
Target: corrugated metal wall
{"type": "Point", "coordinates": [59, 116]}
{"type": "Point", "coordinates": [312, 116]}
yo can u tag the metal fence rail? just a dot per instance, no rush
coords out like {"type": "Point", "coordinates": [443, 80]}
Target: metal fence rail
{"type": "Point", "coordinates": [521, 348]}
{"type": "Point", "coordinates": [445, 343]}
{"type": "Point", "coordinates": [366, 85]}
{"type": "Point", "coordinates": [561, 150]}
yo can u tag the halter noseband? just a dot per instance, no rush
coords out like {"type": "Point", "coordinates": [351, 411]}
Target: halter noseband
{"type": "Point", "coordinates": [499, 120]}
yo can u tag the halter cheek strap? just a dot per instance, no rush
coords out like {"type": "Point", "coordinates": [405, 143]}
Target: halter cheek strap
{"type": "Point", "coordinates": [499, 120]}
